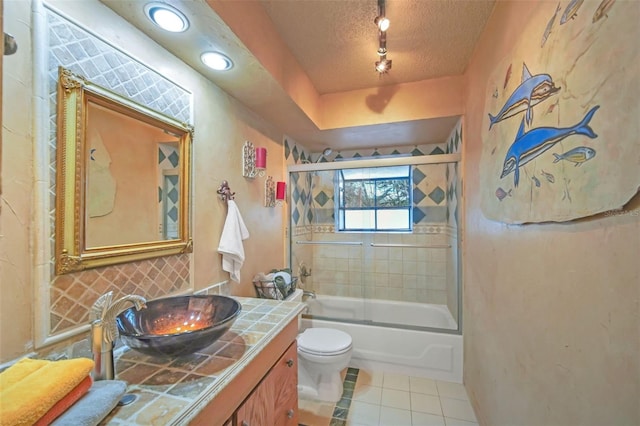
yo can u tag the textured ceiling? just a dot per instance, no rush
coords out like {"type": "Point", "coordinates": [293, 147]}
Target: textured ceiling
{"type": "Point", "coordinates": [336, 41]}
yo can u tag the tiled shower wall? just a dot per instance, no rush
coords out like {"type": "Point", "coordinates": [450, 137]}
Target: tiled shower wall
{"type": "Point", "coordinates": [429, 188]}
{"type": "Point", "coordinates": [302, 255]}
{"type": "Point", "coordinates": [404, 274]}
{"type": "Point", "coordinates": [71, 295]}
{"type": "Point", "coordinates": [454, 195]}
{"type": "Point", "coordinates": [389, 273]}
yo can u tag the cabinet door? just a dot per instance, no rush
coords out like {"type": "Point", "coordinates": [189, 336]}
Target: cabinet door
{"type": "Point", "coordinates": [283, 381]}
{"type": "Point", "coordinates": [274, 402]}
{"type": "Point", "coordinates": [257, 410]}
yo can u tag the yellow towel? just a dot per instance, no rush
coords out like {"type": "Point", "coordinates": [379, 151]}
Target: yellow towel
{"type": "Point", "coordinates": [30, 387]}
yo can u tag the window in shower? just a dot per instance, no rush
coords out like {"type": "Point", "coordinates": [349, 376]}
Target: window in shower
{"type": "Point", "coordinates": [374, 199]}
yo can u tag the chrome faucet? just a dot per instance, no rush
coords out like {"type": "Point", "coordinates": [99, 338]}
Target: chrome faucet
{"type": "Point", "coordinates": [104, 331]}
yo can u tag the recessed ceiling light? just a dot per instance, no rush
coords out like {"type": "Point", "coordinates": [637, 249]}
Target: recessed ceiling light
{"type": "Point", "coordinates": [166, 17]}
{"type": "Point", "coordinates": [216, 61]}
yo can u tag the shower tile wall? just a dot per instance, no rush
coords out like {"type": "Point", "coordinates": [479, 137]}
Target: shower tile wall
{"type": "Point", "coordinates": [405, 274]}
{"type": "Point", "coordinates": [71, 295]}
{"type": "Point", "coordinates": [302, 255]}
{"type": "Point", "coordinates": [429, 188]}
{"type": "Point", "coordinates": [454, 192]}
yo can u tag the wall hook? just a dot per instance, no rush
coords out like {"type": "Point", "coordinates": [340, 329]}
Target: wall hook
{"type": "Point", "coordinates": [225, 191]}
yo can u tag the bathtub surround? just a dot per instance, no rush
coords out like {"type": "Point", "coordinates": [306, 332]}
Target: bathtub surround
{"type": "Point", "coordinates": [417, 266]}
{"type": "Point", "coordinates": [388, 273]}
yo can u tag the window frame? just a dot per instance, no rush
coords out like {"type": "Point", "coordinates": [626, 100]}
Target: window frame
{"type": "Point", "coordinates": [340, 209]}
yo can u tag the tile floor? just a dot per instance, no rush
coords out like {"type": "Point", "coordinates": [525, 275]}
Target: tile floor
{"type": "Point", "coordinates": [373, 398]}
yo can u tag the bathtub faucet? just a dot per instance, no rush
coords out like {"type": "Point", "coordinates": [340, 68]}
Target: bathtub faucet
{"type": "Point", "coordinates": [309, 293]}
{"type": "Point", "coordinates": [104, 331]}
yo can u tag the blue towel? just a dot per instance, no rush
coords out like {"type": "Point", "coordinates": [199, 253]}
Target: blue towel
{"type": "Point", "coordinates": [94, 406]}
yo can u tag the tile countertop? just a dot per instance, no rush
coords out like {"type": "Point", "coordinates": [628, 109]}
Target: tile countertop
{"type": "Point", "coordinates": [172, 391]}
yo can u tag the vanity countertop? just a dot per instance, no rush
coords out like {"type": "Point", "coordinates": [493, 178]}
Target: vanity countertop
{"type": "Point", "coordinates": [172, 391]}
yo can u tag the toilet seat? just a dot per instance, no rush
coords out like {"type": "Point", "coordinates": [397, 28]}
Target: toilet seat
{"type": "Point", "coordinates": [324, 341]}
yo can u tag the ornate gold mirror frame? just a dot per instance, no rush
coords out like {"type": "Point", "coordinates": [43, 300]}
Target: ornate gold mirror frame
{"type": "Point", "coordinates": [74, 250]}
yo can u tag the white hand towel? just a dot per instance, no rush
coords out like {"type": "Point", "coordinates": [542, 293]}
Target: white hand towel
{"type": "Point", "coordinates": [230, 246]}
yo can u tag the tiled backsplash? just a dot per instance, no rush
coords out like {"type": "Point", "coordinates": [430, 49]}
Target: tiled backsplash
{"type": "Point", "coordinates": [72, 295]}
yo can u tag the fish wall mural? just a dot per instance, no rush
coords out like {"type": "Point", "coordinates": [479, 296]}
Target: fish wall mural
{"type": "Point", "coordinates": [563, 142]}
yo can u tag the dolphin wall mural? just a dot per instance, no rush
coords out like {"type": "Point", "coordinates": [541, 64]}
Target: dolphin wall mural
{"type": "Point", "coordinates": [531, 91]}
{"type": "Point", "coordinates": [529, 145]}
{"type": "Point", "coordinates": [540, 166]}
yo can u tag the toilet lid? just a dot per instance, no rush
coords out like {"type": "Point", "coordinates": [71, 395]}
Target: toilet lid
{"type": "Point", "coordinates": [324, 341]}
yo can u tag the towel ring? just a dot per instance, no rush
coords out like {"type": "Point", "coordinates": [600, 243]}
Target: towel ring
{"type": "Point", "coordinates": [225, 191]}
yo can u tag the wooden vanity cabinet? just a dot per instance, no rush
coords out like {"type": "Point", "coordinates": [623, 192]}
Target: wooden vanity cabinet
{"type": "Point", "coordinates": [264, 393]}
{"type": "Point", "coordinates": [275, 400]}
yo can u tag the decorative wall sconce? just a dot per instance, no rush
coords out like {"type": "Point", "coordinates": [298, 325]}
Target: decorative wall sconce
{"type": "Point", "coordinates": [269, 192]}
{"type": "Point", "coordinates": [274, 194]}
{"type": "Point", "coordinates": [254, 160]}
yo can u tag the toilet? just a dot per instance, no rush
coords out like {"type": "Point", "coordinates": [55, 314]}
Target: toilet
{"type": "Point", "coordinates": [322, 354]}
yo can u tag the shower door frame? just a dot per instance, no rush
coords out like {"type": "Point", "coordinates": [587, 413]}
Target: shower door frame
{"type": "Point", "coordinates": [384, 162]}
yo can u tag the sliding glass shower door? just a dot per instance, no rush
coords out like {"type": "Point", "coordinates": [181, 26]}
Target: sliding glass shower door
{"type": "Point", "coordinates": [380, 242]}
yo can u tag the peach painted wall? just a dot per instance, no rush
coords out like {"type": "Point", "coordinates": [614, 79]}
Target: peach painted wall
{"type": "Point", "coordinates": [551, 324]}
{"type": "Point", "coordinates": [441, 97]}
{"type": "Point", "coordinates": [222, 126]}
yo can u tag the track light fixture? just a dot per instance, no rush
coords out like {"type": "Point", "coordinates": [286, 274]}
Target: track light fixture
{"type": "Point", "coordinates": [383, 66]}
{"type": "Point", "coordinates": [382, 22]}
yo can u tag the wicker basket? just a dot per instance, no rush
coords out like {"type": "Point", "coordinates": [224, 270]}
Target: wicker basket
{"type": "Point", "coordinates": [270, 290]}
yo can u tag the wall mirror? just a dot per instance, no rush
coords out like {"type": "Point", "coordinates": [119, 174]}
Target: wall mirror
{"type": "Point", "coordinates": [122, 179]}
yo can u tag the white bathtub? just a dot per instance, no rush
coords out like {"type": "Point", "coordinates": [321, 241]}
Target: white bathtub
{"type": "Point", "coordinates": [389, 349]}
